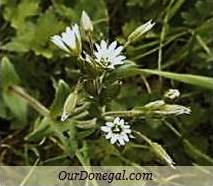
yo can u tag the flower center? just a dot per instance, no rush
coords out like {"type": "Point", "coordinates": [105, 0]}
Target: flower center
{"type": "Point", "coordinates": [105, 61]}
{"type": "Point", "coordinates": [116, 129]}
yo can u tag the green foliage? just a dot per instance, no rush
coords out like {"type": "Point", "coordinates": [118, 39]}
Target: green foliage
{"type": "Point", "coordinates": [62, 91]}
{"type": "Point", "coordinates": [8, 73]}
{"type": "Point", "coordinates": [177, 53]}
{"type": "Point", "coordinates": [17, 105]}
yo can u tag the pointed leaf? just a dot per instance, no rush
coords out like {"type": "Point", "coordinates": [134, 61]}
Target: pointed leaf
{"type": "Point", "coordinates": [8, 73]}
{"type": "Point", "coordinates": [60, 96]}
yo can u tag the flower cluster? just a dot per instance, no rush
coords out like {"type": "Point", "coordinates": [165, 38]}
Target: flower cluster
{"type": "Point", "coordinates": [107, 55]}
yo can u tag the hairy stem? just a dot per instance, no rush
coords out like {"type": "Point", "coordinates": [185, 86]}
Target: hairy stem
{"type": "Point", "coordinates": [131, 113]}
{"type": "Point", "coordinates": [19, 91]}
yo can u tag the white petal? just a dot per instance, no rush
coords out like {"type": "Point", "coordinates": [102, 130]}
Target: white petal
{"type": "Point", "coordinates": [113, 139]}
{"type": "Point", "coordinates": [68, 30]}
{"type": "Point", "coordinates": [126, 126]}
{"type": "Point", "coordinates": [103, 44]}
{"type": "Point", "coordinates": [69, 39]}
{"type": "Point", "coordinates": [106, 129]}
{"type": "Point", "coordinates": [127, 130]}
{"type": "Point", "coordinates": [110, 124]}
{"type": "Point", "coordinates": [117, 121]}
{"type": "Point", "coordinates": [122, 122]}
{"type": "Point", "coordinates": [111, 66]}
{"type": "Point", "coordinates": [57, 40]}
{"type": "Point", "coordinates": [121, 141]}
{"type": "Point", "coordinates": [77, 32]}
{"type": "Point", "coordinates": [112, 46]}
{"type": "Point", "coordinates": [118, 60]}
{"type": "Point", "coordinates": [97, 47]}
{"type": "Point", "coordinates": [117, 51]}
{"type": "Point", "coordinates": [126, 138]}
{"type": "Point", "coordinates": [109, 135]}
{"type": "Point", "coordinates": [131, 136]}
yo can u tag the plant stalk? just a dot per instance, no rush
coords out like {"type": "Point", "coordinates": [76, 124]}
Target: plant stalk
{"type": "Point", "coordinates": [19, 91]}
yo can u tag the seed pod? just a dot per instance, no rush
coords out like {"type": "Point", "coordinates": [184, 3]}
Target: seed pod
{"type": "Point", "coordinates": [69, 105]}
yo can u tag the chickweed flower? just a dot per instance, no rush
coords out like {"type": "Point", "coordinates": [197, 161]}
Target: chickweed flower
{"type": "Point", "coordinates": [172, 94]}
{"type": "Point", "coordinates": [141, 30]}
{"type": "Point", "coordinates": [69, 41]}
{"type": "Point", "coordinates": [117, 131]}
{"type": "Point", "coordinates": [86, 22]}
{"type": "Point", "coordinates": [109, 56]}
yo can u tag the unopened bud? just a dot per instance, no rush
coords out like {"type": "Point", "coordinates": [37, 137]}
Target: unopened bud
{"type": "Point", "coordinates": [172, 94]}
{"type": "Point", "coordinates": [140, 31]}
{"type": "Point", "coordinates": [86, 22]}
{"type": "Point", "coordinates": [159, 107]}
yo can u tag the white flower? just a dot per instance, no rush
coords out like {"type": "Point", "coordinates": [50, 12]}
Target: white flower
{"type": "Point", "coordinates": [86, 22]}
{"type": "Point", "coordinates": [69, 41]}
{"type": "Point", "coordinates": [172, 93]}
{"type": "Point", "coordinates": [141, 30]}
{"type": "Point", "coordinates": [117, 131]}
{"type": "Point", "coordinates": [109, 56]}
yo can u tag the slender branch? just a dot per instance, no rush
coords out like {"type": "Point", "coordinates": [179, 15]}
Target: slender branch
{"type": "Point", "coordinates": [143, 137]}
{"type": "Point", "coordinates": [19, 91]}
{"type": "Point", "coordinates": [146, 84]}
{"type": "Point", "coordinates": [131, 113]}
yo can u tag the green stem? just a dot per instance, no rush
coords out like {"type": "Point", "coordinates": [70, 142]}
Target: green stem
{"type": "Point", "coordinates": [172, 38]}
{"type": "Point", "coordinates": [19, 91]}
{"type": "Point", "coordinates": [143, 137]}
{"type": "Point", "coordinates": [131, 113]}
{"type": "Point", "coordinates": [172, 128]}
{"type": "Point", "coordinates": [126, 44]}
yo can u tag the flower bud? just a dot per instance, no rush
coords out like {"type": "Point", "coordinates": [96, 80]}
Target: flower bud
{"type": "Point", "coordinates": [159, 107]}
{"type": "Point", "coordinates": [169, 109]}
{"type": "Point", "coordinates": [172, 94]}
{"type": "Point", "coordinates": [154, 104]}
{"type": "Point", "coordinates": [86, 22]}
{"type": "Point", "coordinates": [69, 105]}
{"type": "Point", "coordinates": [141, 30]}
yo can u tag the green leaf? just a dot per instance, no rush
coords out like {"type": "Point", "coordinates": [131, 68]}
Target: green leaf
{"type": "Point", "coordinates": [66, 133]}
{"type": "Point", "coordinates": [35, 36]}
{"type": "Point", "coordinates": [157, 149]}
{"type": "Point", "coordinates": [17, 105]}
{"type": "Point", "coordinates": [41, 129]}
{"type": "Point", "coordinates": [47, 25]}
{"type": "Point", "coordinates": [3, 111]}
{"type": "Point", "coordinates": [197, 154]}
{"type": "Point", "coordinates": [17, 14]}
{"type": "Point", "coordinates": [196, 15]}
{"type": "Point", "coordinates": [69, 105]}
{"type": "Point", "coordinates": [8, 73]}
{"type": "Point", "coordinates": [61, 94]}
{"type": "Point", "coordinates": [197, 80]}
